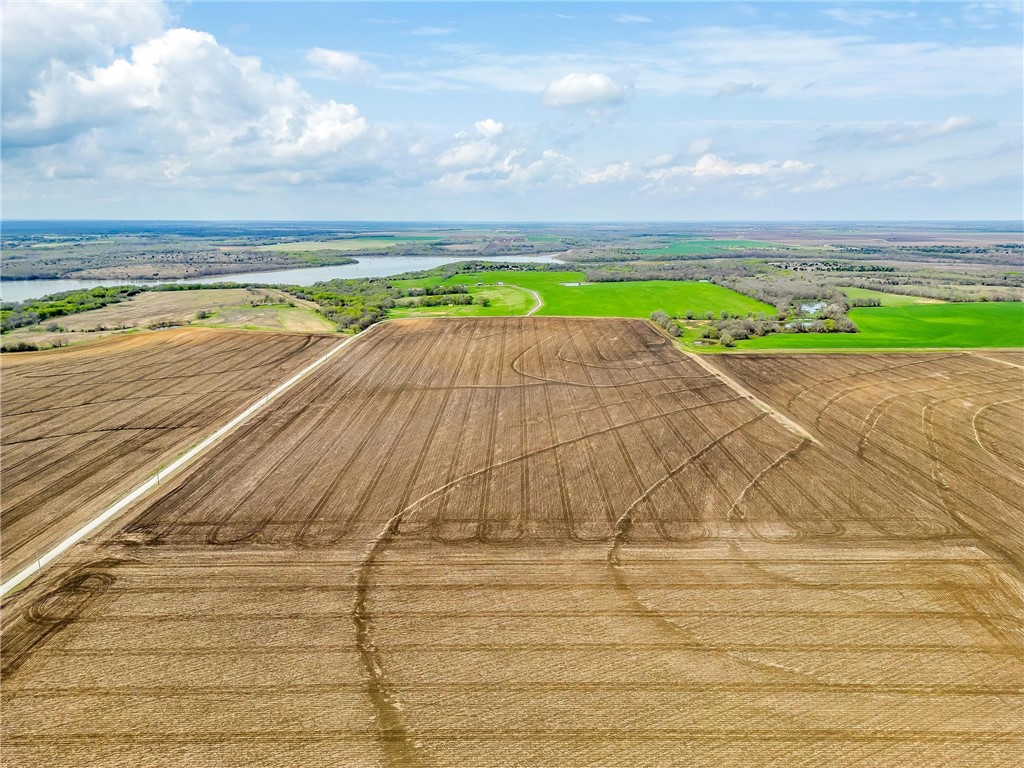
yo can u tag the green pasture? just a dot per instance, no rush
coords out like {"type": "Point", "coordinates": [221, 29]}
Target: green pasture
{"type": "Point", "coordinates": [887, 299]}
{"type": "Point", "coordinates": [909, 325]}
{"type": "Point", "coordinates": [625, 299]}
{"type": "Point", "coordinates": [505, 300]}
{"type": "Point", "coordinates": [702, 247]}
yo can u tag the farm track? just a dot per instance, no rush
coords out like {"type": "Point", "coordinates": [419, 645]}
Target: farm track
{"type": "Point", "coordinates": [544, 541]}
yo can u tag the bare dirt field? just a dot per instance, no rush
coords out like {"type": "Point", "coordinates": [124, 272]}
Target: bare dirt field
{"type": "Point", "coordinates": [277, 317]}
{"type": "Point", "coordinates": [144, 310]}
{"type": "Point", "coordinates": [555, 541]}
{"type": "Point", "coordinates": [84, 425]}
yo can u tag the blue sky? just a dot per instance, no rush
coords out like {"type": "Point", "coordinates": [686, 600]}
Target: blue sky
{"type": "Point", "coordinates": [513, 111]}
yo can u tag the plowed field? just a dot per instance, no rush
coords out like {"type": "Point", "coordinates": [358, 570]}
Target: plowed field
{"type": "Point", "coordinates": [82, 426]}
{"type": "Point", "coordinates": [540, 541]}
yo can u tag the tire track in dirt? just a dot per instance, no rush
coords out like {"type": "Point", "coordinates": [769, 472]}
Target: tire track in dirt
{"type": "Point", "coordinates": [977, 436]}
{"type": "Point", "coordinates": [791, 453]}
{"type": "Point", "coordinates": [943, 490]}
{"type": "Point", "coordinates": [870, 372]}
{"type": "Point", "coordinates": [177, 498]}
{"type": "Point", "coordinates": [887, 402]}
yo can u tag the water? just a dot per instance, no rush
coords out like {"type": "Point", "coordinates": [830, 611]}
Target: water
{"type": "Point", "coordinates": [368, 266]}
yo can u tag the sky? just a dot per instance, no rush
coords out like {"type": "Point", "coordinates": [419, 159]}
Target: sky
{"type": "Point", "coordinates": [524, 111]}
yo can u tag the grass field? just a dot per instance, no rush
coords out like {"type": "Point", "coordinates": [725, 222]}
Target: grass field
{"type": "Point", "coordinates": [888, 299]}
{"type": "Point", "coordinates": [505, 300]}
{"type": "Point", "coordinates": [703, 247]}
{"type": "Point", "coordinates": [914, 326]}
{"type": "Point", "coordinates": [350, 244]}
{"type": "Point", "coordinates": [544, 541]}
{"type": "Point", "coordinates": [625, 299]}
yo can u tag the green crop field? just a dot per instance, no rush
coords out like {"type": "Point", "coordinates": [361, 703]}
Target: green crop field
{"type": "Point", "coordinates": [626, 299]}
{"type": "Point", "coordinates": [702, 247]}
{"type": "Point", "coordinates": [995, 324]}
{"type": "Point", "coordinates": [505, 300]}
{"type": "Point", "coordinates": [888, 299]}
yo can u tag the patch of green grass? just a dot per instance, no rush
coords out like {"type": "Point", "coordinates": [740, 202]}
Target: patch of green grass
{"type": "Point", "coordinates": [625, 299]}
{"type": "Point", "coordinates": [888, 299]}
{"type": "Point", "coordinates": [917, 326]}
{"type": "Point", "coordinates": [505, 300]}
{"type": "Point", "coordinates": [701, 247]}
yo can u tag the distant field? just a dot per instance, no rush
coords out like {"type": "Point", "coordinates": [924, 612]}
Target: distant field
{"type": "Point", "coordinates": [505, 300]}
{"type": "Point", "coordinates": [698, 247]}
{"type": "Point", "coordinates": [888, 299]}
{"type": "Point", "coordinates": [277, 317]}
{"type": "Point", "coordinates": [626, 299]}
{"type": "Point", "coordinates": [349, 244]}
{"type": "Point", "coordinates": [911, 326]}
{"type": "Point", "coordinates": [231, 308]}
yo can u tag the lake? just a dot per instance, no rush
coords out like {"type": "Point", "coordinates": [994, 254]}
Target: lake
{"type": "Point", "coordinates": [368, 266]}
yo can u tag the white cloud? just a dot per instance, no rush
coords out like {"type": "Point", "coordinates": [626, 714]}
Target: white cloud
{"type": "Point", "coordinates": [430, 31]}
{"type": "Point", "coordinates": [629, 18]}
{"type": "Point", "coordinates": [577, 89]}
{"type": "Point", "coordinates": [738, 89]}
{"type": "Point", "coordinates": [700, 146]}
{"type": "Point", "coordinates": [489, 129]}
{"type": "Point", "coordinates": [916, 180]}
{"type": "Point", "coordinates": [338, 65]}
{"type": "Point", "coordinates": [863, 17]}
{"type": "Point", "coordinates": [894, 134]}
{"type": "Point", "coordinates": [182, 106]}
{"type": "Point", "coordinates": [659, 161]}
{"type": "Point", "coordinates": [36, 36]}
{"type": "Point", "coordinates": [711, 166]}
{"type": "Point", "coordinates": [471, 153]}
{"type": "Point", "coordinates": [610, 173]}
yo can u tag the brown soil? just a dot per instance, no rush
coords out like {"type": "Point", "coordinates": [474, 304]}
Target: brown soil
{"type": "Point", "coordinates": [83, 426]}
{"type": "Point", "coordinates": [547, 541]}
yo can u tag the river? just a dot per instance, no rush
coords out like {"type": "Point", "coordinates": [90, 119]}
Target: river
{"type": "Point", "coordinates": [368, 266]}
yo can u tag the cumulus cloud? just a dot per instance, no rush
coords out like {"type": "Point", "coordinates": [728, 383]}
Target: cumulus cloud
{"type": "Point", "coordinates": [610, 173]}
{"type": "Point", "coordinates": [489, 129]}
{"type": "Point", "coordinates": [579, 89]}
{"type": "Point", "coordinates": [473, 151]}
{"type": "Point", "coordinates": [711, 166]}
{"type": "Point", "coordinates": [518, 169]}
{"type": "Point", "coordinates": [181, 105]}
{"type": "Point", "coordinates": [893, 134]}
{"type": "Point", "coordinates": [338, 65]}
{"type": "Point", "coordinates": [38, 36]}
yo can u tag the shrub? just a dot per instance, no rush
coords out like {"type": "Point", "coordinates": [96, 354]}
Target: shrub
{"type": "Point", "coordinates": [665, 321]}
